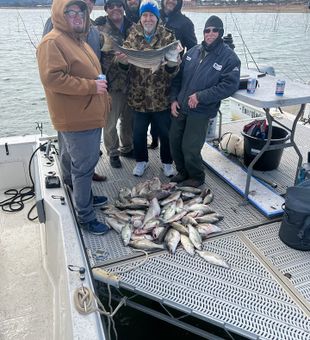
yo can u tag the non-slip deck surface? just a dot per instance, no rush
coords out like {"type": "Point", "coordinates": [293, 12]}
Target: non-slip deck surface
{"type": "Point", "coordinates": [265, 293]}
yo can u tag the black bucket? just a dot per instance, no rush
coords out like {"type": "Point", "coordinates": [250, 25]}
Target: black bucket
{"type": "Point", "coordinates": [270, 160]}
{"type": "Point", "coordinates": [295, 227]}
{"type": "Point", "coordinates": [294, 236]}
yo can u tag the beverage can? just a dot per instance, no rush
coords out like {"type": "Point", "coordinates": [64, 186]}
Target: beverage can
{"type": "Point", "coordinates": [304, 173]}
{"type": "Point", "coordinates": [251, 86]}
{"type": "Point", "coordinates": [102, 77]}
{"type": "Point", "coordinates": [280, 87]}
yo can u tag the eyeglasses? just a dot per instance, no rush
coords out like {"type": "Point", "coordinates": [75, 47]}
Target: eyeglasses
{"type": "Point", "coordinates": [72, 14]}
{"type": "Point", "coordinates": [114, 5]}
{"type": "Point", "coordinates": [214, 30]}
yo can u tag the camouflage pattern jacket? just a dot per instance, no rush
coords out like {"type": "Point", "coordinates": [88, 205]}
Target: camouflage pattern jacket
{"type": "Point", "coordinates": [117, 80]}
{"type": "Point", "coordinates": [149, 92]}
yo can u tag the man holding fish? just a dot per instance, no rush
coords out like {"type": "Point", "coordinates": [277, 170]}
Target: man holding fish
{"type": "Point", "coordinates": [184, 30]}
{"type": "Point", "coordinates": [209, 73]}
{"type": "Point", "coordinates": [149, 88]}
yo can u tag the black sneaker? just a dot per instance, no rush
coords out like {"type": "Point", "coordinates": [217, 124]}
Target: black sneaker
{"type": "Point", "coordinates": [129, 154]}
{"type": "Point", "coordinates": [153, 145]}
{"type": "Point", "coordinates": [115, 162]}
{"type": "Point", "coordinates": [191, 182]}
{"type": "Point", "coordinates": [178, 178]}
{"type": "Point", "coordinates": [98, 201]}
{"type": "Point", "coordinates": [95, 227]}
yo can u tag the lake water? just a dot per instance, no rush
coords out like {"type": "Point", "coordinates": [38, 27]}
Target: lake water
{"type": "Point", "coordinates": [281, 40]}
{"type": "Point", "coordinates": [278, 39]}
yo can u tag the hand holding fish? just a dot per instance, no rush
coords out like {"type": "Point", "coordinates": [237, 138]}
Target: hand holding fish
{"type": "Point", "coordinates": [172, 57]}
{"type": "Point", "coordinates": [174, 109]}
{"type": "Point", "coordinates": [102, 86]}
{"type": "Point", "coordinates": [121, 58]}
{"type": "Point", "coordinates": [149, 58]}
{"type": "Point", "coordinates": [193, 101]}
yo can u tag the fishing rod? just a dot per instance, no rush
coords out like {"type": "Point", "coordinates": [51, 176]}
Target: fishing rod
{"type": "Point", "coordinates": [244, 44]}
{"type": "Point", "coordinates": [26, 30]}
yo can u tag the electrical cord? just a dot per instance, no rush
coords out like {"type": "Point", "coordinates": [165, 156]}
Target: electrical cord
{"type": "Point", "coordinates": [18, 197]}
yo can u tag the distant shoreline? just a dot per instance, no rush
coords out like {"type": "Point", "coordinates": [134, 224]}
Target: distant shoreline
{"type": "Point", "coordinates": [291, 8]}
{"type": "Point", "coordinates": [260, 8]}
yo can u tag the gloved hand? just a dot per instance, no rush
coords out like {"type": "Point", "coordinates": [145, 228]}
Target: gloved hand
{"type": "Point", "coordinates": [173, 56]}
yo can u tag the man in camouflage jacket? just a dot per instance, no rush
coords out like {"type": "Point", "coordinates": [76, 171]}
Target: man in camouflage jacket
{"type": "Point", "coordinates": [148, 93]}
{"type": "Point", "coordinates": [115, 26]}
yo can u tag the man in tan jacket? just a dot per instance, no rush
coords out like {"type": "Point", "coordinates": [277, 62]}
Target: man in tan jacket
{"type": "Point", "coordinates": [77, 103]}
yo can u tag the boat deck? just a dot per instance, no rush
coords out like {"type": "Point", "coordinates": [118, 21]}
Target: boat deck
{"type": "Point", "coordinates": [25, 289]}
{"type": "Point", "coordinates": [266, 292]}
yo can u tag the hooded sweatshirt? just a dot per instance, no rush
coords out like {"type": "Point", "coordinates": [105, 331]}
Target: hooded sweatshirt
{"type": "Point", "coordinates": [68, 68]}
{"type": "Point", "coordinates": [180, 24]}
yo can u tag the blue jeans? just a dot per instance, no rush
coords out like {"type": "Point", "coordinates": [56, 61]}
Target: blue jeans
{"type": "Point", "coordinates": [142, 121]}
{"type": "Point", "coordinates": [79, 154]}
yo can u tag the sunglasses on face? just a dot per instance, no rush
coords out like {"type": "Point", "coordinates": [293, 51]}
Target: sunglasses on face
{"type": "Point", "coordinates": [214, 30]}
{"type": "Point", "coordinates": [111, 6]}
{"type": "Point", "coordinates": [72, 14]}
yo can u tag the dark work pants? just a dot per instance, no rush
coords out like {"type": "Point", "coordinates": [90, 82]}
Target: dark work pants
{"type": "Point", "coordinates": [187, 137]}
{"type": "Point", "coordinates": [142, 121]}
{"type": "Point", "coordinates": [154, 133]}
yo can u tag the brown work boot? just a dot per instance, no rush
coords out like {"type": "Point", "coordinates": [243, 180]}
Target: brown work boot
{"type": "Point", "coordinates": [178, 178]}
{"type": "Point", "coordinates": [191, 182]}
{"type": "Point", "coordinates": [99, 178]}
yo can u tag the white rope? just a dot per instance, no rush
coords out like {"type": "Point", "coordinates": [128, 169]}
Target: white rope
{"type": "Point", "coordinates": [84, 298]}
{"type": "Point", "coordinates": [137, 265]}
{"type": "Point", "coordinates": [84, 301]}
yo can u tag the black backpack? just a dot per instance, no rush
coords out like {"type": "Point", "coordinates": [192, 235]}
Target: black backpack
{"type": "Point", "coordinates": [295, 226]}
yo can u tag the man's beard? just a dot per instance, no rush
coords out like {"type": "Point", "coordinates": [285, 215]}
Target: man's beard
{"type": "Point", "coordinates": [149, 29]}
{"type": "Point", "coordinates": [133, 9]}
{"type": "Point", "coordinates": [78, 29]}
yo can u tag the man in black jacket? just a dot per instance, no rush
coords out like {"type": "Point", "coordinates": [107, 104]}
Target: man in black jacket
{"type": "Point", "coordinates": [209, 73]}
{"type": "Point", "coordinates": [132, 10]}
{"type": "Point", "coordinates": [180, 24]}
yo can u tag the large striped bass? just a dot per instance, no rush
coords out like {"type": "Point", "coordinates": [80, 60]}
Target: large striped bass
{"type": "Point", "coordinates": [151, 58]}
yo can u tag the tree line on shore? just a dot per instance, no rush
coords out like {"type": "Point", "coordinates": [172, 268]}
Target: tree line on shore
{"type": "Point", "coordinates": [188, 3]}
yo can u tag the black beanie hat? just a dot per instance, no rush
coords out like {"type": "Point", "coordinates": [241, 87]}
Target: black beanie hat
{"type": "Point", "coordinates": [215, 21]}
{"type": "Point", "coordinates": [106, 2]}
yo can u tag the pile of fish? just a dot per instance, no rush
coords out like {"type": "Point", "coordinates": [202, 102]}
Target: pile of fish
{"type": "Point", "coordinates": [153, 216]}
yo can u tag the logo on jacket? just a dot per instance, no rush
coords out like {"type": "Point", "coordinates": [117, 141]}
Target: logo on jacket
{"type": "Point", "coordinates": [188, 58]}
{"type": "Point", "coordinates": [217, 66]}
